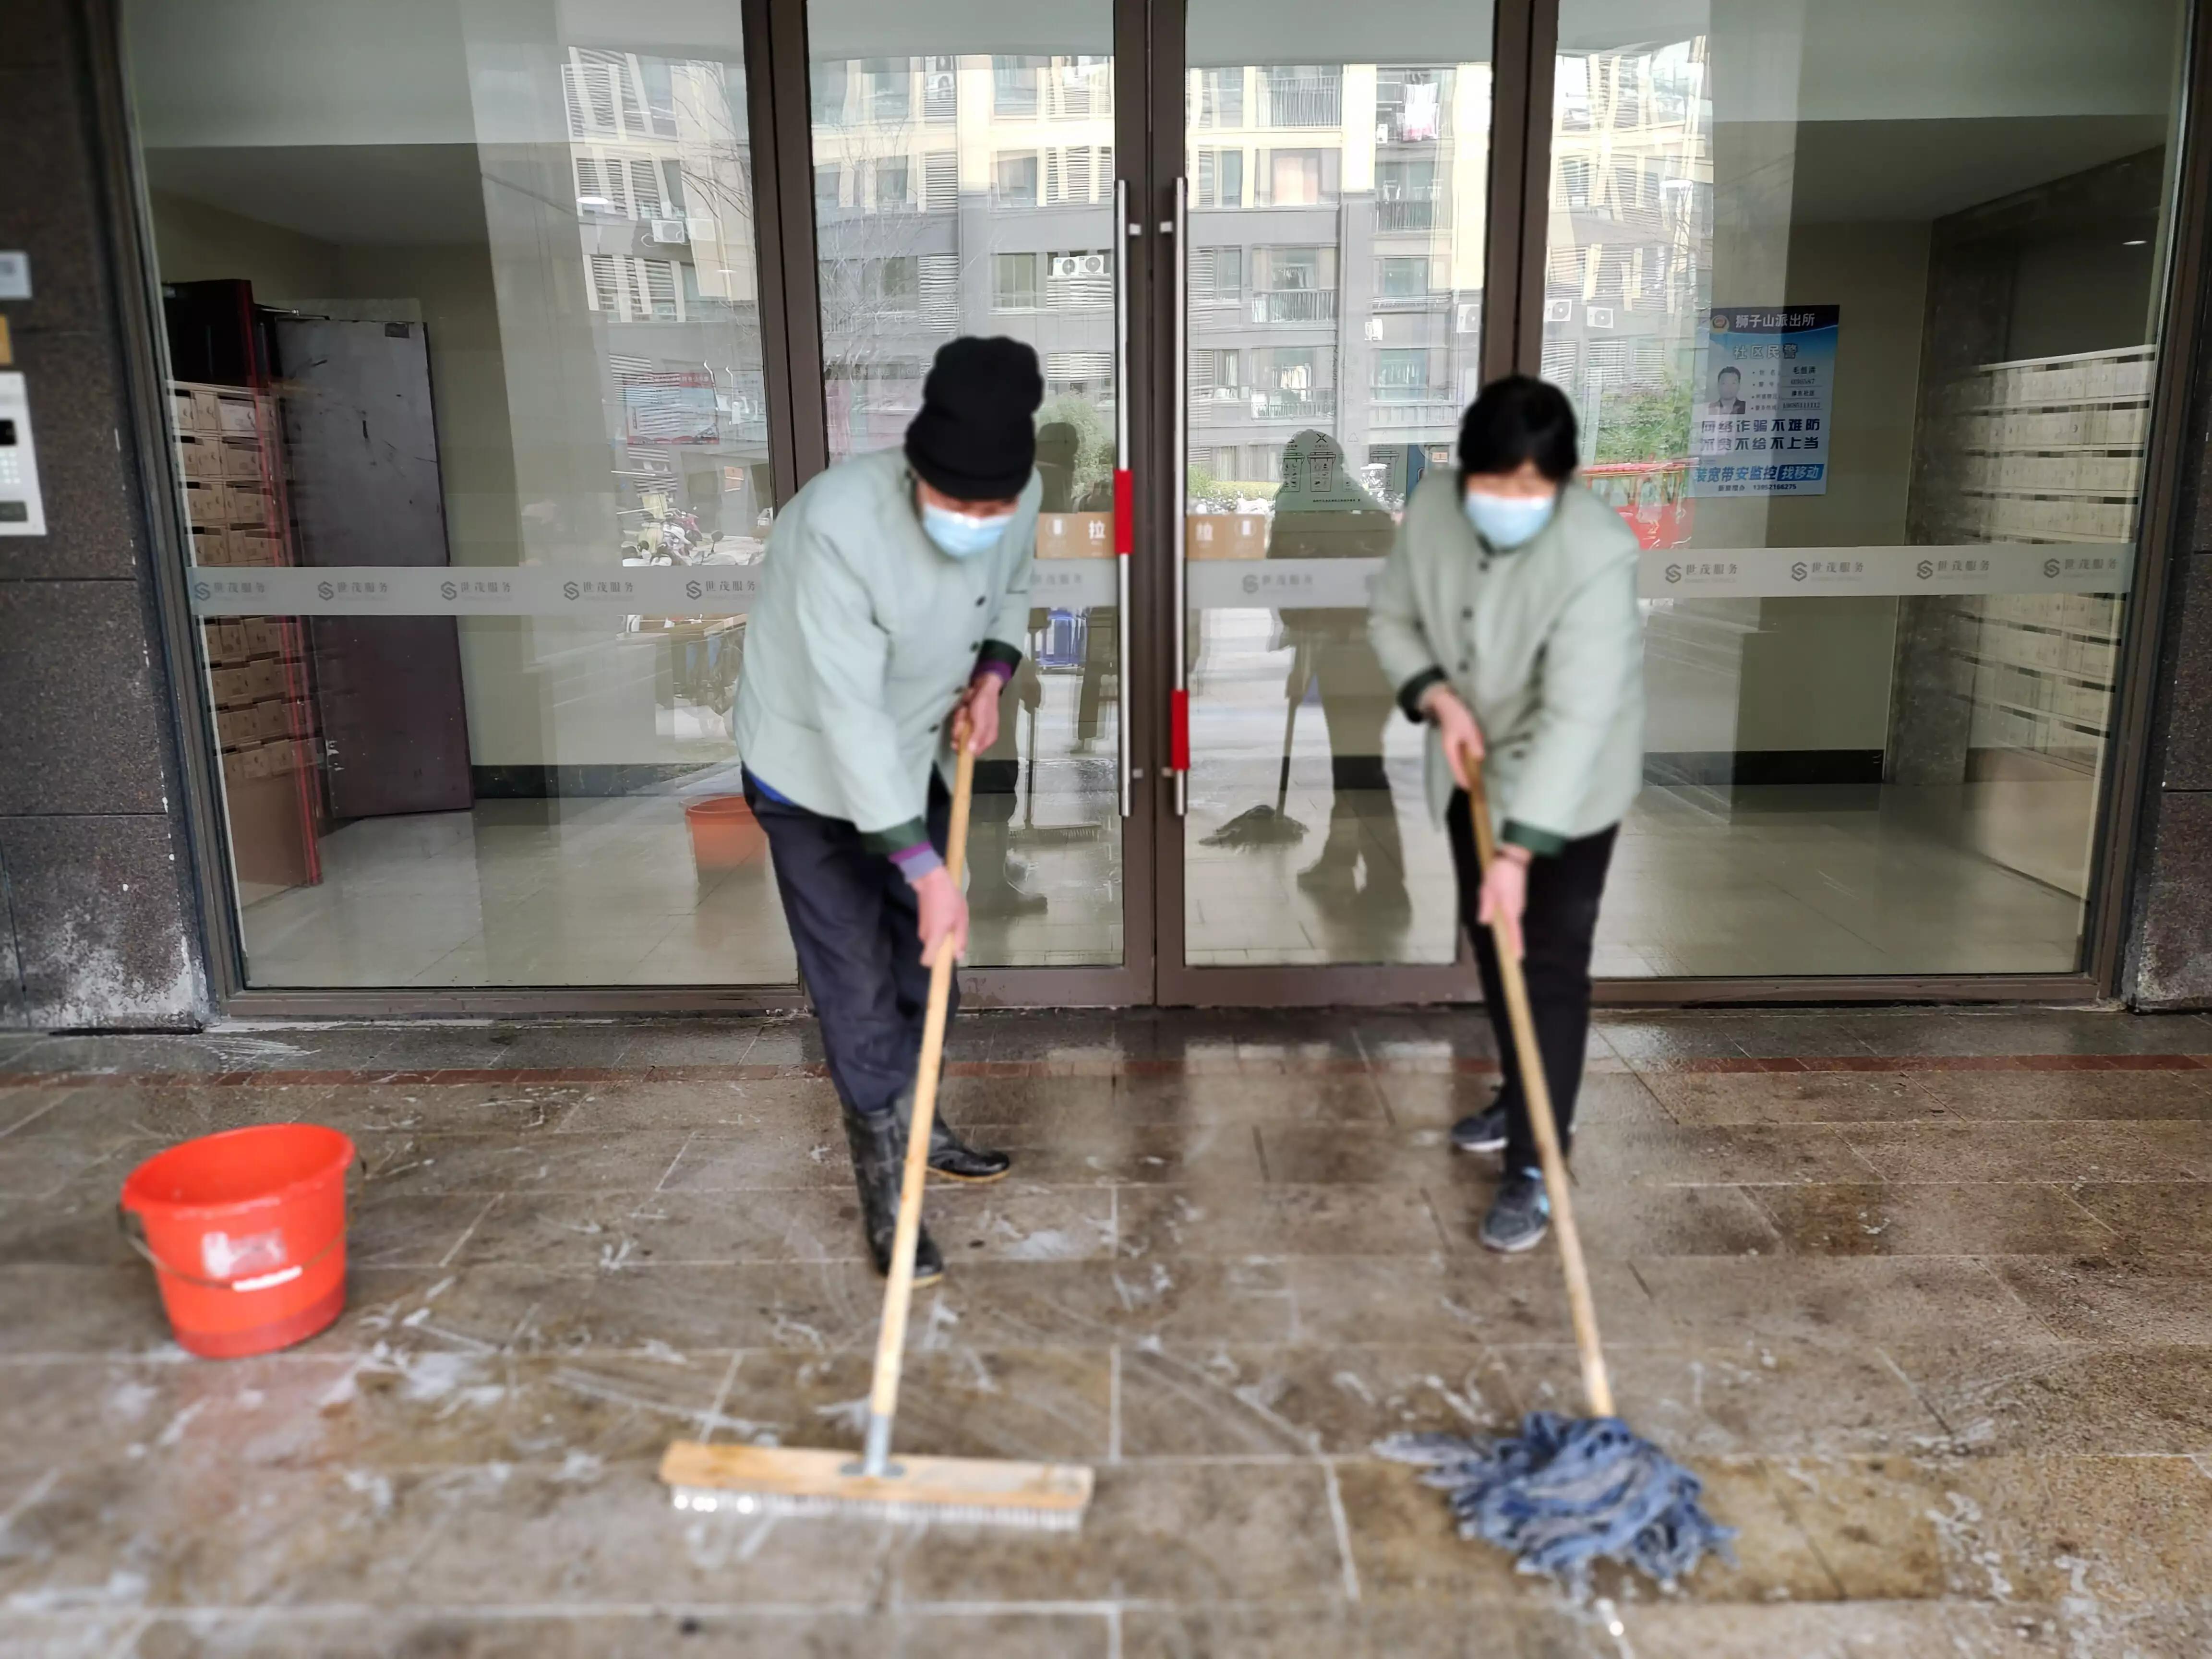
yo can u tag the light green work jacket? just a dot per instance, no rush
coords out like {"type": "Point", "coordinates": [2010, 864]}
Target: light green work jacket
{"type": "Point", "coordinates": [863, 637]}
{"type": "Point", "coordinates": [1544, 644]}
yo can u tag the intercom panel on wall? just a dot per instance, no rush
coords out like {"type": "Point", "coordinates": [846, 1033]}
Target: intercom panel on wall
{"type": "Point", "coordinates": [22, 513]}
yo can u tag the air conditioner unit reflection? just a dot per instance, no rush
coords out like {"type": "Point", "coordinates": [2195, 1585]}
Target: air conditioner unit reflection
{"type": "Point", "coordinates": [1600, 316]}
{"type": "Point", "coordinates": [1078, 264]}
{"type": "Point", "coordinates": [669, 231]}
{"type": "Point", "coordinates": [1558, 311]}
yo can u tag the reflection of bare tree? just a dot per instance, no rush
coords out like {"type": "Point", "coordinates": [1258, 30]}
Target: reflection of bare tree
{"type": "Point", "coordinates": [879, 328]}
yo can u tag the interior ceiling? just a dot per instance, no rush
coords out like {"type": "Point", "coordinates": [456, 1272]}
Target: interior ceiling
{"type": "Point", "coordinates": [291, 72]}
{"type": "Point", "coordinates": [409, 194]}
{"type": "Point", "coordinates": [1911, 171]}
{"type": "Point", "coordinates": [351, 195]}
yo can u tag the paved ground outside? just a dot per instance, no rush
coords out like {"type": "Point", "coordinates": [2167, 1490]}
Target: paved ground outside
{"type": "Point", "coordinates": [1926, 1297]}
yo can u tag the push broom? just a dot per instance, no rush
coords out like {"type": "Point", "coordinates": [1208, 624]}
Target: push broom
{"type": "Point", "coordinates": [786, 1481]}
{"type": "Point", "coordinates": [1565, 1492]}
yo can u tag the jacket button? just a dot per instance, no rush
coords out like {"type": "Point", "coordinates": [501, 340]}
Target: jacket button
{"type": "Point", "coordinates": [1463, 664]}
{"type": "Point", "coordinates": [974, 645]}
{"type": "Point", "coordinates": [1467, 614]}
{"type": "Point", "coordinates": [979, 599]}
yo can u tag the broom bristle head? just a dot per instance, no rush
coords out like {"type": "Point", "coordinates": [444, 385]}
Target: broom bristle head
{"type": "Point", "coordinates": [705, 1500]}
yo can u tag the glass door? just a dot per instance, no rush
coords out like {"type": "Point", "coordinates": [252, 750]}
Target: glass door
{"type": "Point", "coordinates": [965, 172]}
{"type": "Point", "coordinates": [1331, 206]}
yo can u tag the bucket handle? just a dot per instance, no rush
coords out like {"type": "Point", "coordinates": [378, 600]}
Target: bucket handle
{"type": "Point", "coordinates": [134, 1233]}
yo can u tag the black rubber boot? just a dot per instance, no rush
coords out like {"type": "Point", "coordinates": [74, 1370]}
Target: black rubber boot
{"type": "Point", "coordinates": [950, 1156]}
{"type": "Point", "coordinates": [878, 1146]}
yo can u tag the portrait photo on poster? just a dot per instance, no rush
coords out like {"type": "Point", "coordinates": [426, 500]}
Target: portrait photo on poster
{"type": "Point", "coordinates": [1766, 380]}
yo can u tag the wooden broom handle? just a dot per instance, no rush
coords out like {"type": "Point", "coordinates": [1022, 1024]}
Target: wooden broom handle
{"type": "Point", "coordinates": [1537, 1091]}
{"type": "Point", "coordinates": [898, 1295]}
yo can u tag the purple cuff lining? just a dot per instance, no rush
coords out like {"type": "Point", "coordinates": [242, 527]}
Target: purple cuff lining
{"type": "Point", "coordinates": [1001, 671]}
{"type": "Point", "coordinates": [917, 861]}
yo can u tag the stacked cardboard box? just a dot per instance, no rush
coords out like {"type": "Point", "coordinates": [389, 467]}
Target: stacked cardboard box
{"type": "Point", "coordinates": [262, 720]}
{"type": "Point", "coordinates": [226, 441]}
{"type": "Point", "coordinates": [227, 452]}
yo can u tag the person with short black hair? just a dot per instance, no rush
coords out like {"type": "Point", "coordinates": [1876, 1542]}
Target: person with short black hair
{"type": "Point", "coordinates": [894, 595]}
{"type": "Point", "coordinates": [1506, 616]}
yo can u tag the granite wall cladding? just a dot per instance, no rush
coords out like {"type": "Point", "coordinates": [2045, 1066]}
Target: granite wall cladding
{"type": "Point", "coordinates": [95, 897]}
{"type": "Point", "coordinates": [2170, 947]}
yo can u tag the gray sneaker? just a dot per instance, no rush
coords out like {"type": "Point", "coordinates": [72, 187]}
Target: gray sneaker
{"type": "Point", "coordinates": [1520, 1215]}
{"type": "Point", "coordinates": [1481, 1131]}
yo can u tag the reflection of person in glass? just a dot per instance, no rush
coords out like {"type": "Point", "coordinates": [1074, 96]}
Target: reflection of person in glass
{"type": "Point", "coordinates": [1060, 447]}
{"type": "Point", "coordinates": [1727, 392]}
{"type": "Point", "coordinates": [1323, 511]}
{"type": "Point", "coordinates": [1506, 617]}
{"type": "Point", "coordinates": [994, 889]}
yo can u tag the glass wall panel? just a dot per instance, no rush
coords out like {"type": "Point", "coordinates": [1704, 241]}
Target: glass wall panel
{"type": "Point", "coordinates": [1335, 277]}
{"type": "Point", "coordinates": [462, 319]}
{"type": "Point", "coordinates": [964, 184]}
{"type": "Point", "coordinates": [1859, 305]}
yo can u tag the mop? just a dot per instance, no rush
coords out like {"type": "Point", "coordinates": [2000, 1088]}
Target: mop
{"type": "Point", "coordinates": [786, 1481]}
{"type": "Point", "coordinates": [1564, 1491]}
{"type": "Point", "coordinates": [1264, 826]}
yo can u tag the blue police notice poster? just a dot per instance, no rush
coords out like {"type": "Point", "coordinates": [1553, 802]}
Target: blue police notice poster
{"type": "Point", "coordinates": [1760, 413]}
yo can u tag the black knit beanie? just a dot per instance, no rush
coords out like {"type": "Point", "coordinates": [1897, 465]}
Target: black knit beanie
{"type": "Point", "coordinates": [974, 439]}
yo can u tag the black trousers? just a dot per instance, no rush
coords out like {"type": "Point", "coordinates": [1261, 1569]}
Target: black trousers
{"type": "Point", "coordinates": [853, 918]}
{"type": "Point", "coordinates": [1557, 929]}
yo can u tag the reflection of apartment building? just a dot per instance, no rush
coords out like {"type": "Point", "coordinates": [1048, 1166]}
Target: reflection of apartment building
{"type": "Point", "coordinates": [1631, 217]}
{"type": "Point", "coordinates": [961, 195]}
{"type": "Point", "coordinates": [1336, 261]}
{"type": "Point", "coordinates": [661, 159]}
{"type": "Point", "coordinates": [1336, 236]}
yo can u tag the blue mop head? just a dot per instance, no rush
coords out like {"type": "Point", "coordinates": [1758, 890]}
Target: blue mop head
{"type": "Point", "coordinates": [1565, 1491]}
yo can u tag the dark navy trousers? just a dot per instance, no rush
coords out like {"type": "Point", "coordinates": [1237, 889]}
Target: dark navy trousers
{"type": "Point", "coordinates": [1559, 928]}
{"type": "Point", "coordinates": [852, 918]}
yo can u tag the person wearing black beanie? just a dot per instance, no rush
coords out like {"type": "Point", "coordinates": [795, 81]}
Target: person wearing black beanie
{"type": "Point", "coordinates": [974, 439]}
{"type": "Point", "coordinates": [893, 606]}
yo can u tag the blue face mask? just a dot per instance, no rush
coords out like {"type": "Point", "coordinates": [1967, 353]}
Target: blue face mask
{"type": "Point", "coordinates": [960, 535]}
{"type": "Point", "coordinates": [1507, 522]}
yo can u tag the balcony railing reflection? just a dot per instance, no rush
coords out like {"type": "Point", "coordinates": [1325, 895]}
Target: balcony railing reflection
{"type": "Point", "coordinates": [1242, 405]}
{"type": "Point", "coordinates": [1292, 99]}
{"type": "Point", "coordinates": [1418, 210]}
{"type": "Point", "coordinates": [1295, 305]}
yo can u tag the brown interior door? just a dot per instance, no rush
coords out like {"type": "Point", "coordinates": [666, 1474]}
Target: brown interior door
{"type": "Point", "coordinates": [362, 454]}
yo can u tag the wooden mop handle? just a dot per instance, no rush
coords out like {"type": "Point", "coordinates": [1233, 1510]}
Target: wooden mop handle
{"type": "Point", "coordinates": [1537, 1091]}
{"type": "Point", "coordinates": [898, 1295]}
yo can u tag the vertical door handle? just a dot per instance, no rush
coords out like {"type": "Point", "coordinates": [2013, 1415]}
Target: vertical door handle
{"type": "Point", "coordinates": [1125, 532]}
{"type": "Point", "coordinates": [1179, 396]}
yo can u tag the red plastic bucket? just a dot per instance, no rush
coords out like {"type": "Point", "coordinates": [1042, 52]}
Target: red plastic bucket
{"type": "Point", "coordinates": [247, 1233]}
{"type": "Point", "coordinates": [724, 834]}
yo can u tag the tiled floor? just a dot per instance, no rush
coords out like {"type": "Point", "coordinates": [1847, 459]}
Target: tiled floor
{"type": "Point", "coordinates": [1927, 1298]}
